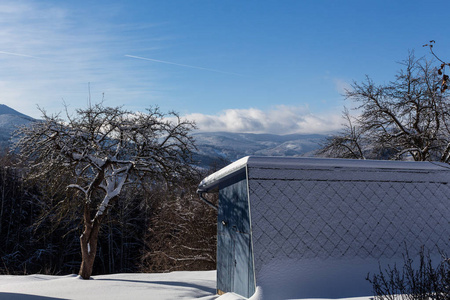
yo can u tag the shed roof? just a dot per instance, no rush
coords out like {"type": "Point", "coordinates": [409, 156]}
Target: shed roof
{"type": "Point", "coordinates": [292, 163]}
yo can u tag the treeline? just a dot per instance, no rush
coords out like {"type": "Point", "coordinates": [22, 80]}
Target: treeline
{"type": "Point", "coordinates": [153, 228]}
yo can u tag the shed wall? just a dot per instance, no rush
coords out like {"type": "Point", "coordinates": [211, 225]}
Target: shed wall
{"type": "Point", "coordinates": [330, 221]}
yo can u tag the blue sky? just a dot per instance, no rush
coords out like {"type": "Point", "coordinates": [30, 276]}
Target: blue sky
{"type": "Point", "coordinates": [245, 66]}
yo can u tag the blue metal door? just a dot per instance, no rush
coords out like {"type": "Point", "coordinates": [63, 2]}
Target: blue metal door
{"type": "Point", "coordinates": [234, 257]}
{"type": "Point", "coordinates": [241, 264]}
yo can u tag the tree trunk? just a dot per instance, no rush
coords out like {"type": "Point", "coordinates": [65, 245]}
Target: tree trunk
{"type": "Point", "coordinates": [88, 243]}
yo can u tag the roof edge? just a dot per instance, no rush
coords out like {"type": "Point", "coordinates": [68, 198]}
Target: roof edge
{"type": "Point", "coordinates": [213, 180]}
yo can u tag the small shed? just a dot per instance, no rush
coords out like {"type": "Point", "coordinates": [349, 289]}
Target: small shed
{"type": "Point", "coordinates": [312, 227]}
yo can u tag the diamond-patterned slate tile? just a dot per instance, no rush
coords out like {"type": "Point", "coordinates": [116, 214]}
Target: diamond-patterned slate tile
{"type": "Point", "coordinates": [319, 219]}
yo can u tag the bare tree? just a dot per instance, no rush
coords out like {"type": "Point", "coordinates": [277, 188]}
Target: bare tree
{"type": "Point", "coordinates": [182, 235]}
{"type": "Point", "coordinates": [103, 149]}
{"type": "Point", "coordinates": [407, 118]}
{"type": "Point", "coordinates": [349, 143]}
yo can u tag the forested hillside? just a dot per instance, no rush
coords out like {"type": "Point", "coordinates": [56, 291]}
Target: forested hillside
{"type": "Point", "coordinates": [153, 229]}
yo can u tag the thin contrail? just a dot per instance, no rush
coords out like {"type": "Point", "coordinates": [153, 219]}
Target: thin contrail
{"type": "Point", "coordinates": [182, 65]}
{"type": "Point", "coordinates": [18, 54]}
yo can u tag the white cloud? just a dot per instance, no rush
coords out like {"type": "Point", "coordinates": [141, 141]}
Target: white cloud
{"type": "Point", "coordinates": [281, 119]}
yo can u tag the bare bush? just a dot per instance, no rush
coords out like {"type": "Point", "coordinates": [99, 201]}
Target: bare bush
{"type": "Point", "coordinates": [422, 282]}
{"type": "Point", "coordinates": [181, 235]}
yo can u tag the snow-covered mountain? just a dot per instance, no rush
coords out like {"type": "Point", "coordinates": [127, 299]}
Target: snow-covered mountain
{"type": "Point", "coordinates": [232, 146]}
{"type": "Point", "coordinates": [214, 148]}
{"type": "Point", "coordinates": [6, 110]}
{"type": "Point", "coordinates": [10, 119]}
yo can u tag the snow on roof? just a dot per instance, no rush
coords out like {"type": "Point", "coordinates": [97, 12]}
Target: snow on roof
{"type": "Point", "coordinates": [212, 180]}
{"type": "Point", "coordinates": [293, 163]}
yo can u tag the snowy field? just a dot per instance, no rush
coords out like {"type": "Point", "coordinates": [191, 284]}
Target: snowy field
{"type": "Point", "coordinates": [161, 286]}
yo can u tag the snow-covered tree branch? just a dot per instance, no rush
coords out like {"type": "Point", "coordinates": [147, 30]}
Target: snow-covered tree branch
{"type": "Point", "coordinates": [104, 149]}
{"type": "Point", "coordinates": [403, 119]}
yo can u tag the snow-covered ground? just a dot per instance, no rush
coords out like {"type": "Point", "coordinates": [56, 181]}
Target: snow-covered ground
{"type": "Point", "coordinates": [176, 285]}
{"type": "Point", "coordinates": [161, 286]}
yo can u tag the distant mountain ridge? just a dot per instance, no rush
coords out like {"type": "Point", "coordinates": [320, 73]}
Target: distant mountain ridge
{"type": "Point", "coordinates": [6, 110]}
{"type": "Point", "coordinates": [10, 120]}
{"type": "Point", "coordinates": [232, 146]}
{"type": "Point", "coordinates": [212, 147]}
